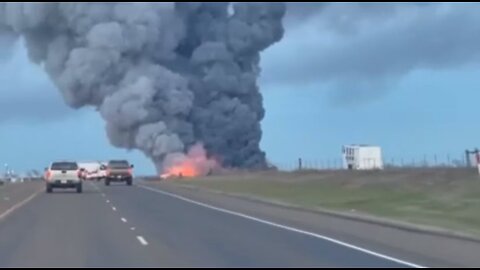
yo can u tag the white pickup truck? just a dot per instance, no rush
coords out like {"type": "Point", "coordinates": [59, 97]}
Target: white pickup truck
{"type": "Point", "coordinates": [63, 174]}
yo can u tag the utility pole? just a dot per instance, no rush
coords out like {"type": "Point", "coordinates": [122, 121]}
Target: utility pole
{"type": "Point", "coordinates": [6, 170]}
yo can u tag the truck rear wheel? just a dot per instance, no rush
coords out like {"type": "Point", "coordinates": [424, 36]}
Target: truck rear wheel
{"type": "Point", "coordinates": [79, 188]}
{"type": "Point", "coordinates": [49, 188]}
{"type": "Point", "coordinates": [107, 182]}
{"type": "Point", "coordinates": [129, 182]}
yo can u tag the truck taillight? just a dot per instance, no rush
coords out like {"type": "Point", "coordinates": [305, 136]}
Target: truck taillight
{"type": "Point", "coordinates": [130, 171]}
{"type": "Point", "coordinates": [79, 174]}
{"type": "Point", "coordinates": [47, 175]}
{"type": "Point", "coordinates": [108, 171]}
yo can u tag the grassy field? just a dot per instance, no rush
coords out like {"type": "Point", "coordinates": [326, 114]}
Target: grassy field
{"type": "Point", "coordinates": [443, 197]}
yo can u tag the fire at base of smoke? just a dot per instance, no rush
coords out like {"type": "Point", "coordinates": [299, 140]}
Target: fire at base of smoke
{"type": "Point", "coordinates": [163, 76]}
{"type": "Point", "coordinates": [193, 164]}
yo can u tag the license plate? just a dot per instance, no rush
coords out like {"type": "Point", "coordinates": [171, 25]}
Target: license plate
{"type": "Point", "coordinates": [119, 177]}
{"type": "Point", "coordinates": [64, 181]}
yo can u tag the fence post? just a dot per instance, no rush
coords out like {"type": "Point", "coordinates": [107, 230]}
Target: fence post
{"type": "Point", "coordinates": [299, 163]}
{"type": "Point", "coordinates": [467, 158]}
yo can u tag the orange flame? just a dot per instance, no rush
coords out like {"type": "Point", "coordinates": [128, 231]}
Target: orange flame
{"type": "Point", "coordinates": [187, 169]}
{"type": "Point", "coordinates": [195, 163]}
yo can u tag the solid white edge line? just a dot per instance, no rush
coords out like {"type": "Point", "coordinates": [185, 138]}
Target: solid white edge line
{"type": "Point", "coordinates": [319, 236]}
{"type": "Point", "coordinates": [142, 240]}
{"type": "Point", "coordinates": [18, 205]}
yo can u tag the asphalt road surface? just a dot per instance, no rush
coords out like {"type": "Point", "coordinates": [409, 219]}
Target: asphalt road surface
{"type": "Point", "coordinates": [122, 226]}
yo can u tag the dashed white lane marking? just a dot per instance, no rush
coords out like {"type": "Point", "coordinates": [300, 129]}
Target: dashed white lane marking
{"type": "Point", "coordinates": [142, 241]}
{"type": "Point", "coordinates": [103, 194]}
{"type": "Point", "coordinates": [124, 220]}
{"type": "Point", "coordinates": [95, 187]}
{"type": "Point", "coordinates": [6, 199]}
{"type": "Point", "coordinates": [108, 201]}
{"type": "Point", "coordinates": [132, 228]}
{"type": "Point", "coordinates": [114, 208]}
{"type": "Point", "coordinates": [292, 229]}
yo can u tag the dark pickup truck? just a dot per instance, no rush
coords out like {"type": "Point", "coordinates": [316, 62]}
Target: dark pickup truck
{"type": "Point", "coordinates": [119, 171]}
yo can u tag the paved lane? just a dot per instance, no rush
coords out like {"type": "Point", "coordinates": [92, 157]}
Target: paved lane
{"type": "Point", "coordinates": [65, 229]}
{"type": "Point", "coordinates": [205, 237]}
{"type": "Point", "coordinates": [122, 226]}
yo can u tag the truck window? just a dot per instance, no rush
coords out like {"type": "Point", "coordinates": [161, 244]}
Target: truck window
{"type": "Point", "coordinates": [119, 164]}
{"type": "Point", "coordinates": [64, 166]}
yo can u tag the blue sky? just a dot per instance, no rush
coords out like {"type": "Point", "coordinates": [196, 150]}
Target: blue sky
{"type": "Point", "coordinates": [427, 113]}
{"type": "Point", "coordinates": [328, 82]}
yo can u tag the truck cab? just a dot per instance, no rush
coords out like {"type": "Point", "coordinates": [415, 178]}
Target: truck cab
{"type": "Point", "coordinates": [63, 174]}
{"type": "Point", "coordinates": [119, 171]}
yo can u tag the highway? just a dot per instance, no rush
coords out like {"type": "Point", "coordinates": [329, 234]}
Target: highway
{"type": "Point", "coordinates": [149, 226]}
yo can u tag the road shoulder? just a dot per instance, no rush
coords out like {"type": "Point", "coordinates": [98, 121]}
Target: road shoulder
{"type": "Point", "coordinates": [14, 196]}
{"type": "Point", "coordinates": [416, 246]}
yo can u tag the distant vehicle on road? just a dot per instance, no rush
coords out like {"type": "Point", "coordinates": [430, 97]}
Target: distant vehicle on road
{"type": "Point", "coordinates": [63, 174]}
{"type": "Point", "coordinates": [102, 173]}
{"type": "Point", "coordinates": [92, 170]}
{"type": "Point", "coordinates": [119, 171]}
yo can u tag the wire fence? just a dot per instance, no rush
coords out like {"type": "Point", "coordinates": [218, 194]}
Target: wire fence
{"type": "Point", "coordinates": [425, 161]}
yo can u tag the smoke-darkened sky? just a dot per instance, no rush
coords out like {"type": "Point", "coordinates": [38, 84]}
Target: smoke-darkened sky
{"type": "Point", "coordinates": [362, 49]}
{"type": "Point", "coordinates": [403, 76]}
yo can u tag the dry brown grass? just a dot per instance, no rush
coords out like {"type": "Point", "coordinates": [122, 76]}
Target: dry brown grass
{"type": "Point", "coordinates": [446, 197]}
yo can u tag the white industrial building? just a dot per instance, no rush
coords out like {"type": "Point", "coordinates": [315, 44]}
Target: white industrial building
{"type": "Point", "coordinates": [362, 157]}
